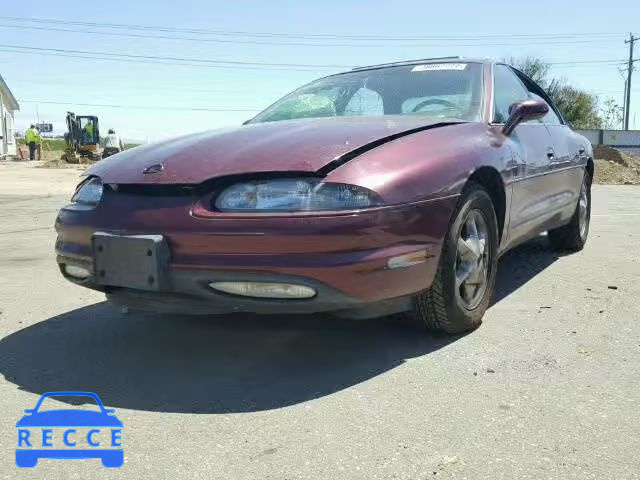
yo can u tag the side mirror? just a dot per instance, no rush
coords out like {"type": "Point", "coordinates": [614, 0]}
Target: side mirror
{"type": "Point", "coordinates": [532, 109]}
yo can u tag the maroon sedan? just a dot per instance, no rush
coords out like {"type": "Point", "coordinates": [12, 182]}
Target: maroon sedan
{"type": "Point", "coordinates": [387, 188]}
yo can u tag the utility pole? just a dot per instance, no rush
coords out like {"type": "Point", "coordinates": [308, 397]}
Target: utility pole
{"type": "Point", "coordinates": [623, 74]}
{"type": "Point", "coordinates": [627, 101]}
{"type": "Point", "coordinates": [624, 99]}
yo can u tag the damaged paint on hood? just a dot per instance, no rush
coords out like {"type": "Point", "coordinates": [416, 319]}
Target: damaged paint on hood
{"type": "Point", "coordinates": [305, 145]}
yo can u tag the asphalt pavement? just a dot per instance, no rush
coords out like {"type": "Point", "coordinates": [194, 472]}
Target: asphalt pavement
{"type": "Point", "coordinates": [547, 388]}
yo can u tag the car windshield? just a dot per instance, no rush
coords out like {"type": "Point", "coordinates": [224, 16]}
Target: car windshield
{"type": "Point", "coordinates": [439, 90]}
{"type": "Point", "coordinates": [58, 402]}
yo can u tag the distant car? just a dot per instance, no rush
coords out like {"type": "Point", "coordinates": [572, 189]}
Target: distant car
{"type": "Point", "coordinates": [387, 188]}
{"type": "Point", "coordinates": [68, 418]}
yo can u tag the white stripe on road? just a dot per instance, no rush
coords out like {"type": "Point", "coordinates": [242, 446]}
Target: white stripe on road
{"type": "Point", "coordinates": [615, 214]}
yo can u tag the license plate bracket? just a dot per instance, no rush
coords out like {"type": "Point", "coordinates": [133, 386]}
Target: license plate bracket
{"type": "Point", "coordinates": [134, 261]}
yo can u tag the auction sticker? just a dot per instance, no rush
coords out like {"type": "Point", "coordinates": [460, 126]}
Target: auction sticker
{"type": "Point", "coordinates": [439, 67]}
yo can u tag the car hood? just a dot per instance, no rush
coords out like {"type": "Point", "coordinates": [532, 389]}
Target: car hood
{"type": "Point", "coordinates": [304, 145]}
{"type": "Point", "coordinates": [69, 418]}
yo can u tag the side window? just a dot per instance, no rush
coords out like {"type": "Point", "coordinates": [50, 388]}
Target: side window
{"type": "Point", "coordinates": [365, 102]}
{"type": "Point", "coordinates": [551, 118]}
{"type": "Point", "coordinates": [507, 90]}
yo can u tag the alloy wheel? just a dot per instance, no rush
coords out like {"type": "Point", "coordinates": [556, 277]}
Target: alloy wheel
{"type": "Point", "coordinates": [472, 260]}
{"type": "Point", "coordinates": [583, 212]}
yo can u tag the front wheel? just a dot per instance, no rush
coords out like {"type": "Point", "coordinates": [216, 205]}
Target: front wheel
{"type": "Point", "coordinates": [573, 236]}
{"type": "Point", "coordinates": [464, 282]}
{"type": "Point", "coordinates": [26, 459]}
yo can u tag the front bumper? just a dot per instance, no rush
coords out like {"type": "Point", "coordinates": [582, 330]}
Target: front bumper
{"type": "Point", "coordinates": [189, 293]}
{"type": "Point", "coordinates": [343, 257]}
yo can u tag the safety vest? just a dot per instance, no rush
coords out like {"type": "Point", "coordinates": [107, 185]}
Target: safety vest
{"type": "Point", "coordinates": [31, 135]}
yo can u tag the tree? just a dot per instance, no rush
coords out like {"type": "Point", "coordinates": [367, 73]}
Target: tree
{"type": "Point", "coordinates": [532, 67]}
{"type": "Point", "coordinates": [611, 115]}
{"type": "Point", "coordinates": [578, 107]}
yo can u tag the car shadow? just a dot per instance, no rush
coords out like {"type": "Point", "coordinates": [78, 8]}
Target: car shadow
{"type": "Point", "coordinates": [233, 363]}
{"type": "Point", "coordinates": [518, 266]}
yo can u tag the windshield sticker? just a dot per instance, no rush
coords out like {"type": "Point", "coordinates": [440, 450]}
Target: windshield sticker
{"type": "Point", "coordinates": [439, 67]}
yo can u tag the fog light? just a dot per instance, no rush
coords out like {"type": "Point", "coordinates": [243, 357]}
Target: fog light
{"type": "Point", "coordinates": [264, 289]}
{"type": "Point", "coordinates": [77, 272]}
{"type": "Point", "coordinates": [407, 260]}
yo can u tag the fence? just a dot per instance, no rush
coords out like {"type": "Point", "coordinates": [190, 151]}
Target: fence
{"type": "Point", "coordinates": [628, 140]}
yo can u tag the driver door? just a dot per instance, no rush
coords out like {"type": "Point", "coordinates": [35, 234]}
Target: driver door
{"type": "Point", "coordinates": [531, 145]}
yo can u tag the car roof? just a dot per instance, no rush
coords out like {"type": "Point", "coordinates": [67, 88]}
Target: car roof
{"type": "Point", "coordinates": [422, 61]}
{"type": "Point", "coordinates": [67, 393]}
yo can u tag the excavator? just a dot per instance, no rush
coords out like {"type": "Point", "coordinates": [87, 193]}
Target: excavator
{"type": "Point", "coordinates": [82, 138]}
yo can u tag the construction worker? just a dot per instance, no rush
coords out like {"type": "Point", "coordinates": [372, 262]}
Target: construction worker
{"type": "Point", "coordinates": [32, 139]}
{"type": "Point", "coordinates": [88, 133]}
{"type": "Point", "coordinates": [112, 144]}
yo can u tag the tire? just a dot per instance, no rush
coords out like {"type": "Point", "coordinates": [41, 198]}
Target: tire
{"type": "Point", "coordinates": [112, 459]}
{"type": "Point", "coordinates": [573, 236]}
{"type": "Point", "coordinates": [443, 307]}
{"type": "Point", "coordinates": [26, 459]}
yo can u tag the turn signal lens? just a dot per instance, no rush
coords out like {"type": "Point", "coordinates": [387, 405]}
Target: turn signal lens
{"type": "Point", "coordinates": [76, 272]}
{"type": "Point", "coordinates": [408, 260]}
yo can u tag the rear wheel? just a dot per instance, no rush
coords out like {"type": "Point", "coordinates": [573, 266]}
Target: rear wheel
{"type": "Point", "coordinates": [573, 236]}
{"type": "Point", "coordinates": [465, 279]}
{"type": "Point", "coordinates": [112, 458]}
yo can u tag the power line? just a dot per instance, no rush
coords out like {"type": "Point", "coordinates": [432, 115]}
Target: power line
{"type": "Point", "coordinates": [116, 87]}
{"type": "Point", "coordinates": [613, 91]}
{"type": "Point", "coordinates": [111, 86]}
{"type": "Point", "coordinates": [176, 59]}
{"type": "Point", "coordinates": [581, 62]}
{"type": "Point", "coordinates": [207, 62]}
{"type": "Point", "coordinates": [150, 62]}
{"type": "Point", "coordinates": [141, 107]}
{"type": "Point", "coordinates": [189, 39]}
{"type": "Point", "coordinates": [571, 40]}
{"type": "Point", "coordinates": [298, 36]}
{"type": "Point", "coordinates": [182, 64]}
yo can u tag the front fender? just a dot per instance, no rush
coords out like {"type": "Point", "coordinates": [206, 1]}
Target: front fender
{"type": "Point", "coordinates": [429, 164]}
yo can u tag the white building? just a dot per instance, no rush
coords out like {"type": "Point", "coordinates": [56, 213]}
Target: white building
{"type": "Point", "coordinates": [8, 107]}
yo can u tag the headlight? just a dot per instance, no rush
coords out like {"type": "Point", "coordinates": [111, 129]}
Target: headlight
{"type": "Point", "coordinates": [295, 195]}
{"type": "Point", "coordinates": [88, 193]}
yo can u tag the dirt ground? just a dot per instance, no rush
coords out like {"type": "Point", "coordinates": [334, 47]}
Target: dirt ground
{"type": "Point", "coordinates": [611, 173]}
{"type": "Point", "coordinates": [25, 178]}
{"type": "Point", "coordinates": [615, 167]}
{"type": "Point", "coordinates": [47, 154]}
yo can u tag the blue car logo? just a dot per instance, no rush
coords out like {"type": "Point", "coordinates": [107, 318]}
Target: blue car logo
{"type": "Point", "coordinates": [76, 428]}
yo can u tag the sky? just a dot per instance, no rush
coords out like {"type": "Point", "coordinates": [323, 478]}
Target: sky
{"type": "Point", "coordinates": [178, 97]}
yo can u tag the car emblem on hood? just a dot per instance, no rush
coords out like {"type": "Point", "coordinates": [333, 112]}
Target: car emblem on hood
{"type": "Point", "coordinates": [158, 167]}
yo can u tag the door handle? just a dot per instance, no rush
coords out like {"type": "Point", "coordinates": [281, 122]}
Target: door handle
{"type": "Point", "coordinates": [582, 153]}
{"type": "Point", "coordinates": [551, 155]}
